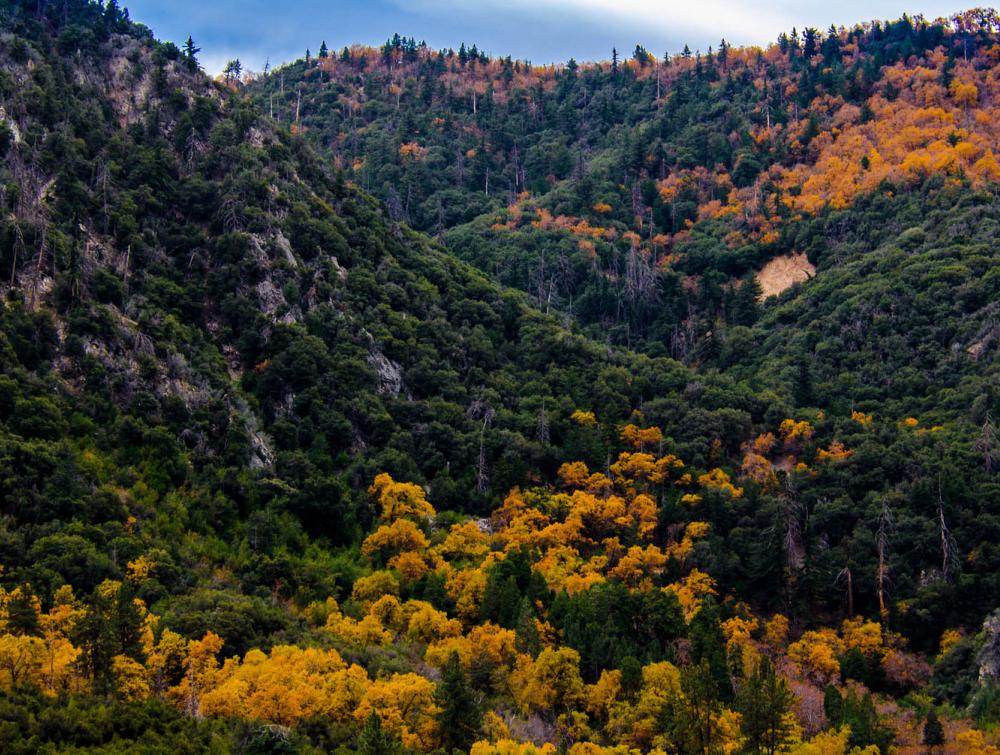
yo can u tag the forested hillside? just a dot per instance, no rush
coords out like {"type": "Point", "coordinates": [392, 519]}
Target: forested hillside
{"type": "Point", "coordinates": [412, 401]}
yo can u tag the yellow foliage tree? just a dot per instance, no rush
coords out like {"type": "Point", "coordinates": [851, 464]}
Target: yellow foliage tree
{"type": "Point", "coordinates": [400, 500]}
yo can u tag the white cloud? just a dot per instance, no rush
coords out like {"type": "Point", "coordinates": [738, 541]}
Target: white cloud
{"type": "Point", "coordinates": [745, 22]}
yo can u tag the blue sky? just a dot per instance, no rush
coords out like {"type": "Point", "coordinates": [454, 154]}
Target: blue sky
{"type": "Point", "coordinates": [543, 31]}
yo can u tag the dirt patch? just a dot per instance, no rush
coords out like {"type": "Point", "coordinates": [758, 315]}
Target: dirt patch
{"type": "Point", "coordinates": [783, 272]}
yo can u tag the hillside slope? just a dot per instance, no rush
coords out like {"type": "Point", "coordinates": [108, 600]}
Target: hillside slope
{"type": "Point", "coordinates": [280, 473]}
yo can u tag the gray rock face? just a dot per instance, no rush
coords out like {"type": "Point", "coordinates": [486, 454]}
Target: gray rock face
{"type": "Point", "coordinates": [989, 654]}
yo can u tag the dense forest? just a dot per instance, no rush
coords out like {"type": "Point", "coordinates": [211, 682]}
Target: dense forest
{"type": "Point", "coordinates": [401, 400]}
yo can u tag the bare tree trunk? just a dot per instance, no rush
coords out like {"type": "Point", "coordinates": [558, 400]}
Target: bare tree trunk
{"type": "Point", "coordinates": [885, 523]}
{"type": "Point", "coordinates": [947, 541]}
{"type": "Point", "coordinates": [19, 246]}
{"type": "Point", "coordinates": [38, 267]}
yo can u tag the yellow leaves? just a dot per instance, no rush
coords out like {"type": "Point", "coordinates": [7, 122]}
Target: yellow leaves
{"type": "Point", "coordinates": [792, 431]}
{"type": "Point", "coordinates": [583, 419]}
{"type": "Point", "coordinates": [374, 586]}
{"type": "Point", "coordinates": [910, 422]}
{"type": "Point", "coordinates": [638, 565]}
{"type": "Point", "coordinates": [466, 588]}
{"type": "Point", "coordinates": [130, 678]}
{"type": "Point", "coordinates": [22, 659]}
{"type": "Point", "coordinates": [410, 565]}
{"type": "Point", "coordinates": [604, 693]}
{"type": "Point", "coordinates": [836, 452]}
{"type": "Point", "coordinates": [965, 94]}
{"type": "Point", "coordinates": [973, 742]}
{"type": "Point", "coordinates": [602, 208]}
{"type": "Point", "coordinates": [484, 642]}
{"type": "Point", "coordinates": [862, 635]}
{"type": "Point", "coordinates": [776, 631]}
{"type": "Point", "coordinates": [757, 468]}
{"type": "Point", "coordinates": [764, 444]}
{"type": "Point", "coordinates": [283, 686]}
{"type": "Point", "coordinates": [366, 632]}
{"type": "Point", "coordinates": [511, 747]}
{"type": "Point", "coordinates": [638, 723]}
{"type": "Point", "coordinates": [641, 439]}
{"type": "Point", "coordinates": [691, 590]}
{"type": "Point", "coordinates": [949, 638]}
{"type": "Point", "coordinates": [400, 500]}
{"type": "Point", "coordinates": [830, 742]}
{"type": "Point", "coordinates": [642, 467]}
{"type": "Point", "coordinates": [399, 537]}
{"type": "Point", "coordinates": [717, 479]}
{"type": "Point", "coordinates": [642, 512]}
{"type": "Point", "coordinates": [427, 624]}
{"type": "Point", "coordinates": [551, 682]}
{"type": "Point", "coordinates": [389, 612]}
{"type": "Point", "coordinates": [917, 166]}
{"type": "Point", "coordinates": [861, 418]}
{"type": "Point", "coordinates": [573, 474]}
{"type": "Point", "coordinates": [406, 705]}
{"type": "Point", "coordinates": [138, 571]}
{"type": "Point", "coordinates": [464, 542]}
{"type": "Point", "coordinates": [412, 151]}
{"type": "Point", "coordinates": [816, 653]}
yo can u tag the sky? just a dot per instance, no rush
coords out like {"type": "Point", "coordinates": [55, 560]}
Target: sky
{"type": "Point", "coordinates": [542, 31]}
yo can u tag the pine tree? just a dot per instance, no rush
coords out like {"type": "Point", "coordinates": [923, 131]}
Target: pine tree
{"type": "Point", "coordinates": [803, 387]}
{"type": "Point", "coordinates": [460, 717]}
{"type": "Point", "coordinates": [764, 702]}
{"type": "Point", "coordinates": [933, 731]}
{"type": "Point", "coordinates": [22, 618]}
{"type": "Point", "coordinates": [323, 50]}
{"type": "Point", "coordinates": [374, 740]}
{"type": "Point", "coordinates": [190, 55]}
{"type": "Point", "coordinates": [526, 629]}
{"type": "Point", "coordinates": [833, 706]}
{"type": "Point", "coordinates": [697, 720]}
{"type": "Point", "coordinates": [708, 644]}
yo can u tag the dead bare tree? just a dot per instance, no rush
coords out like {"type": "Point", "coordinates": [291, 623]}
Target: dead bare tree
{"type": "Point", "coordinates": [38, 265]}
{"type": "Point", "coordinates": [882, 577]}
{"type": "Point", "coordinates": [19, 249]}
{"type": "Point", "coordinates": [480, 410]}
{"type": "Point", "coordinates": [844, 578]}
{"type": "Point", "coordinates": [949, 548]}
{"type": "Point", "coordinates": [986, 444]}
{"type": "Point", "coordinates": [542, 432]}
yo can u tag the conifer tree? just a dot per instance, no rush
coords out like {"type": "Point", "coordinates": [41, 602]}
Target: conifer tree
{"type": "Point", "coordinates": [933, 731]}
{"type": "Point", "coordinates": [460, 716]}
{"type": "Point", "coordinates": [191, 55]}
{"type": "Point", "coordinates": [374, 740]}
{"type": "Point", "coordinates": [764, 702]}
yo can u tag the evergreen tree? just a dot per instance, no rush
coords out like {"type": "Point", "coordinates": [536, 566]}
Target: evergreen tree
{"type": "Point", "coordinates": [22, 618]}
{"type": "Point", "coordinates": [374, 740]}
{"type": "Point", "coordinates": [764, 702]}
{"type": "Point", "coordinates": [460, 716]}
{"type": "Point", "coordinates": [745, 307]}
{"type": "Point", "coordinates": [696, 722]}
{"type": "Point", "coordinates": [802, 389]}
{"type": "Point", "coordinates": [833, 706]}
{"type": "Point", "coordinates": [526, 629]}
{"type": "Point", "coordinates": [191, 55]}
{"type": "Point", "coordinates": [933, 731]}
{"type": "Point", "coordinates": [323, 50]}
{"type": "Point", "coordinates": [708, 644]}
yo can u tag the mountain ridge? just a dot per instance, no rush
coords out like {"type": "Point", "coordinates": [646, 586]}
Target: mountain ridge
{"type": "Point", "coordinates": [280, 473]}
